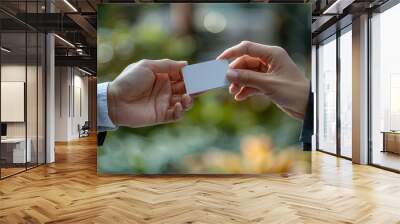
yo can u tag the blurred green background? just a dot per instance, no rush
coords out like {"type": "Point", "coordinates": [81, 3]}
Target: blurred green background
{"type": "Point", "coordinates": [218, 135]}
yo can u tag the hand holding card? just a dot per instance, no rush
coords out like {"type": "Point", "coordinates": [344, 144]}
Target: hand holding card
{"type": "Point", "coordinates": [205, 76]}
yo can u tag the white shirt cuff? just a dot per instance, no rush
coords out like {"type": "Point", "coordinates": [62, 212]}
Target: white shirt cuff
{"type": "Point", "coordinates": [104, 122]}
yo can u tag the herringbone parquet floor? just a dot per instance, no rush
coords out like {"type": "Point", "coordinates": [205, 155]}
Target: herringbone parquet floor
{"type": "Point", "coordinates": [69, 191]}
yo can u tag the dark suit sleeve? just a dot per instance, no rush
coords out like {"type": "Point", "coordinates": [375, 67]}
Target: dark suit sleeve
{"type": "Point", "coordinates": [308, 124]}
{"type": "Point", "coordinates": [101, 136]}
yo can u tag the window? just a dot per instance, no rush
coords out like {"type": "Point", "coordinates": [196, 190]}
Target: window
{"type": "Point", "coordinates": [327, 96]}
{"type": "Point", "coordinates": [346, 92]}
{"type": "Point", "coordinates": [385, 89]}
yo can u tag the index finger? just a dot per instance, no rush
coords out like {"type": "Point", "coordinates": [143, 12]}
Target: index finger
{"type": "Point", "coordinates": [247, 62]}
{"type": "Point", "coordinates": [171, 67]}
{"type": "Point", "coordinates": [262, 51]}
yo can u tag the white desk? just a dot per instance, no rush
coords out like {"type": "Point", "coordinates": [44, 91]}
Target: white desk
{"type": "Point", "coordinates": [19, 149]}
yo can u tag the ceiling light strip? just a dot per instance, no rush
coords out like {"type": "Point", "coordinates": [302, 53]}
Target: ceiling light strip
{"type": "Point", "coordinates": [65, 41]}
{"type": "Point", "coordinates": [84, 71]}
{"type": "Point", "coordinates": [5, 49]}
{"type": "Point", "coordinates": [338, 6]}
{"type": "Point", "coordinates": [70, 5]}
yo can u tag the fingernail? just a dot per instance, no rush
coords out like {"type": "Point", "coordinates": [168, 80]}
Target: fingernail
{"type": "Point", "coordinates": [231, 74]}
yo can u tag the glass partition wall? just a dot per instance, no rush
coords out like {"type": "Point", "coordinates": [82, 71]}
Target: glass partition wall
{"type": "Point", "coordinates": [22, 77]}
{"type": "Point", "coordinates": [13, 88]}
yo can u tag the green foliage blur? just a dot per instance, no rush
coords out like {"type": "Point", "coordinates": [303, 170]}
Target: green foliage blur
{"type": "Point", "coordinates": [196, 33]}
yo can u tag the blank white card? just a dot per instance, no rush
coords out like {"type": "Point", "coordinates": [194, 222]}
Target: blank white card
{"type": "Point", "coordinates": [205, 76]}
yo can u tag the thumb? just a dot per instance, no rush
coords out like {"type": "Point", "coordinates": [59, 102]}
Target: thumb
{"type": "Point", "coordinates": [245, 77]}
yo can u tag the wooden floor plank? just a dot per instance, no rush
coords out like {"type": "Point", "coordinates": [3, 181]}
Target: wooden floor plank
{"type": "Point", "coordinates": [69, 191]}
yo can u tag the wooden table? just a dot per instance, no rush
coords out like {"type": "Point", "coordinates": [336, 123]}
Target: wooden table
{"type": "Point", "coordinates": [391, 141]}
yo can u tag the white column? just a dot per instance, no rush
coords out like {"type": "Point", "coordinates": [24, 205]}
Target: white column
{"type": "Point", "coordinates": [50, 99]}
{"type": "Point", "coordinates": [360, 90]}
{"type": "Point", "coordinates": [50, 93]}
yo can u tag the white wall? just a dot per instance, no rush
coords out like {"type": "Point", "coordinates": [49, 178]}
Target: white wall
{"type": "Point", "coordinates": [80, 100]}
{"type": "Point", "coordinates": [33, 127]}
{"type": "Point", "coordinates": [14, 73]}
{"type": "Point", "coordinates": [70, 83]}
{"type": "Point", "coordinates": [61, 103]}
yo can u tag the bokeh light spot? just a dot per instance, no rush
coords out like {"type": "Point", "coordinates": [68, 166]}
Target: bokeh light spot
{"type": "Point", "coordinates": [214, 22]}
{"type": "Point", "coordinates": [105, 53]}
